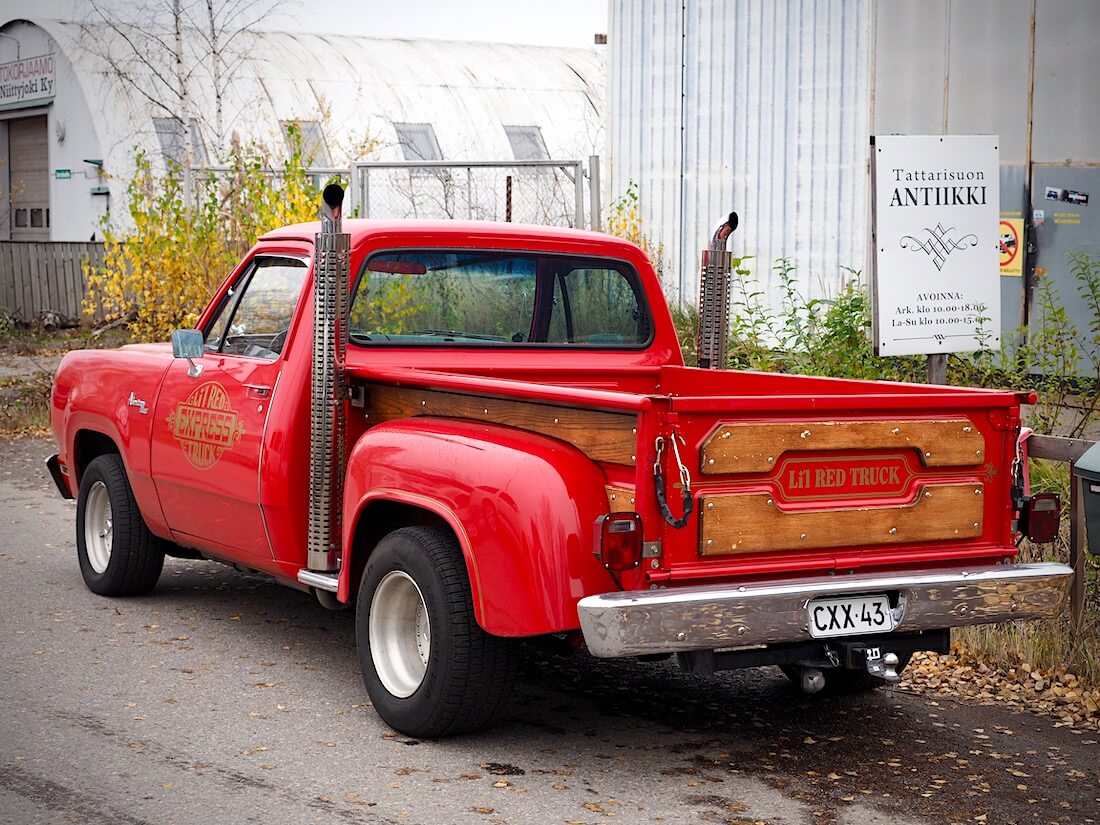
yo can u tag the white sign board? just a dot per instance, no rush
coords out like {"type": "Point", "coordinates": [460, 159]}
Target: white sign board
{"type": "Point", "coordinates": [935, 204]}
{"type": "Point", "coordinates": [27, 82]}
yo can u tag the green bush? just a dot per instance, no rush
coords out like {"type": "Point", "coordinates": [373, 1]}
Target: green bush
{"type": "Point", "coordinates": [831, 337]}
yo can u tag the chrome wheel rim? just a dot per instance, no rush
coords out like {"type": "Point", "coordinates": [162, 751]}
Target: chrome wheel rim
{"type": "Point", "coordinates": [98, 527]}
{"type": "Point", "coordinates": [400, 634]}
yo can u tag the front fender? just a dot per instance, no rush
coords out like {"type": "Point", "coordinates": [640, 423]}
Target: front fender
{"type": "Point", "coordinates": [522, 506]}
{"type": "Point", "coordinates": [91, 392]}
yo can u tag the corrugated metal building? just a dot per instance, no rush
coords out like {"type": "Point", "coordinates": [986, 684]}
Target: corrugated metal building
{"type": "Point", "coordinates": [418, 100]}
{"type": "Point", "coordinates": [767, 108]}
{"type": "Point", "coordinates": [755, 106]}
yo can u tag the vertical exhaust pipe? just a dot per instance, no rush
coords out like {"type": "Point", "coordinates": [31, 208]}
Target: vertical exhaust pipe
{"type": "Point", "coordinates": [327, 385]}
{"type": "Point", "coordinates": [712, 342]}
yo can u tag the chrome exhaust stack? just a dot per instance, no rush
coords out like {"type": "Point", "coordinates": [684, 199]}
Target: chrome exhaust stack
{"type": "Point", "coordinates": [712, 342]}
{"type": "Point", "coordinates": [327, 385]}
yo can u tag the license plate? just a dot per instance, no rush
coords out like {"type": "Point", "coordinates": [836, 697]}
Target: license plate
{"type": "Point", "coordinates": [850, 616]}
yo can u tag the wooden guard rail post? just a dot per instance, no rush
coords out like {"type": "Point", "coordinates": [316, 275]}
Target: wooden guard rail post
{"type": "Point", "coordinates": [1054, 448]}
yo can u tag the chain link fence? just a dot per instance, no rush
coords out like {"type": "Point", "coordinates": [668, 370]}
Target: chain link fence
{"type": "Point", "coordinates": [543, 192]}
{"type": "Point", "coordinates": [549, 192]}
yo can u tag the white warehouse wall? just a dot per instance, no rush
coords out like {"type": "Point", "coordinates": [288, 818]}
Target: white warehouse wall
{"type": "Point", "coordinates": [755, 106]}
{"type": "Point", "coordinates": [71, 138]}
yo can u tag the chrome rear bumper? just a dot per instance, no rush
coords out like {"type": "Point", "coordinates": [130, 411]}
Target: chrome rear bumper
{"type": "Point", "coordinates": [670, 620]}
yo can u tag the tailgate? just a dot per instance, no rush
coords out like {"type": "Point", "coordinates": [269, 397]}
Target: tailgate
{"type": "Point", "coordinates": [876, 478]}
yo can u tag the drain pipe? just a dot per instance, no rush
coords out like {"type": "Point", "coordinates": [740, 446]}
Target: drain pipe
{"type": "Point", "coordinates": [327, 387]}
{"type": "Point", "coordinates": [712, 341]}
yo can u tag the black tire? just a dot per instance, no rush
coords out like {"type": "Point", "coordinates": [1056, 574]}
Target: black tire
{"type": "Point", "coordinates": [467, 674]}
{"type": "Point", "coordinates": [133, 559]}
{"type": "Point", "coordinates": [840, 680]}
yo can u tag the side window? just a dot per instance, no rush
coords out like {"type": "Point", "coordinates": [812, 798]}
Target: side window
{"type": "Point", "coordinates": [598, 307]}
{"type": "Point", "coordinates": [256, 315]}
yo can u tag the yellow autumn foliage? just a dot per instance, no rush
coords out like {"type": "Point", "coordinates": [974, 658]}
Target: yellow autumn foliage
{"type": "Point", "coordinates": [624, 220]}
{"type": "Point", "coordinates": [159, 273]}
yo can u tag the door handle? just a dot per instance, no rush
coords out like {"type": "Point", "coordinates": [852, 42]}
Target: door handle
{"type": "Point", "coordinates": [258, 390]}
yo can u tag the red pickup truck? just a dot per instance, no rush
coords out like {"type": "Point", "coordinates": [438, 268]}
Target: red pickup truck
{"type": "Point", "coordinates": [478, 433]}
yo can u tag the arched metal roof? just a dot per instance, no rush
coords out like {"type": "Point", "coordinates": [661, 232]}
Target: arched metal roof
{"type": "Point", "coordinates": [468, 92]}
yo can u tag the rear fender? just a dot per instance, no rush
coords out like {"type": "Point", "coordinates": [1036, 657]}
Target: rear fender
{"type": "Point", "coordinates": [521, 505]}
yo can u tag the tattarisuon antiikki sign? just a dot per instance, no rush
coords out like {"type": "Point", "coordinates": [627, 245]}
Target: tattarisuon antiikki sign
{"type": "Point", "coordinates": [935, 203]}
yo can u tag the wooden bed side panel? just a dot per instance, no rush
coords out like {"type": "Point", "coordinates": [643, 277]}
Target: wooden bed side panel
{"type": "Point", "coordinates": [602, 436]}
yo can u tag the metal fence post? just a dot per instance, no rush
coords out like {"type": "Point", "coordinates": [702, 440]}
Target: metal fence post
{"type": "Point", "coordinates": [578, 191]}
{"type": "Point", "coordinates": [595, 202]}
{"type": "Point", "coordinates": [366, 191]}
{"type": "Point", "coordinates": [1077, 543]}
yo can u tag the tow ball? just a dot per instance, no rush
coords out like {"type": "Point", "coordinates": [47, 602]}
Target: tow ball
{"type": "Point", "coordinates": [882, 666]}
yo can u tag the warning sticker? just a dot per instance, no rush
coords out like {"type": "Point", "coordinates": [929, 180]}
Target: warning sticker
{"type": "Point", "coordinates": [1010, 241]}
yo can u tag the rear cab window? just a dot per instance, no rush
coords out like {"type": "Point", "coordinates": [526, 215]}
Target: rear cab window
{"type": "Point", "coordinates": [498, 299]}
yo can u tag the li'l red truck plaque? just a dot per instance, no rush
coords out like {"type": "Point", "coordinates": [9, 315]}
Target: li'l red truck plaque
{"type": "Point", "coordinates": [843, 477]}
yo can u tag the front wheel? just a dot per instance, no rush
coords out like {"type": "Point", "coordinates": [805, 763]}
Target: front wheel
{"type": "Point", "coordinates": [118, 554]}
{"type": "Point", "coordinates": [429, 668]}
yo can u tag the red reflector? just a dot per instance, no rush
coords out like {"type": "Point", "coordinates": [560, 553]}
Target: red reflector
{"type": "Point", "coordinates": [1041, 517]}
{"type": "Point", "coordinates": [619, 540]}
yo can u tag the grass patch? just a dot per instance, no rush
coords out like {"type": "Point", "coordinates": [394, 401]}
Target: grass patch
{"type": "Point", "coordinates": [28, 358]}
{"type": "Point", "coordinates": [1053, 643]}
{"type": "Point", "coordinates": [25, 404]}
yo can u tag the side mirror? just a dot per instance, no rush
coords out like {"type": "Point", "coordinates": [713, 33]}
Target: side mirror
{"type": "Point", "coordinates": [189, 344]}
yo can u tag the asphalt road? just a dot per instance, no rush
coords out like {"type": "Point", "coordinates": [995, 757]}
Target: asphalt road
{"type": "Point", "coordinates": [224, 698]}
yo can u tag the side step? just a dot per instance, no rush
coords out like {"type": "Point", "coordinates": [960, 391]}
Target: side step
{"type": "Point", "coordinates": [322, 581]}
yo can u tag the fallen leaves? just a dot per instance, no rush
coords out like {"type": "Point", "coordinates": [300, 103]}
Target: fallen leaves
{"type": "Point", "coordinates": [502, 769]}
{"type": "Point", "coordinates": [1054, 692]}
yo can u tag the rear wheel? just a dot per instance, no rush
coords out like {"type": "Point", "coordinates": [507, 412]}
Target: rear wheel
{"type": "Point", "coordinates": [118, 554]}
{"type": "Point", "coordinates": [429, 668]}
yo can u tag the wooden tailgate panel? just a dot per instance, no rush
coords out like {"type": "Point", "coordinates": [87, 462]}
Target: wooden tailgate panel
{"type": "Point", "coordinates": [755, 447]}
{"type": "Point", "coordinates": [752, 523]}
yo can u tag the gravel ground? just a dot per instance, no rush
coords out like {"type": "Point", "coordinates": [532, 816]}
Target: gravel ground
{"type": "Point", "coordinates": [223, 697]}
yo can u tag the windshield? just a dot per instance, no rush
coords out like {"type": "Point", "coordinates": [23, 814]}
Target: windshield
{"type": "Point", "coordinates": [497, 299]}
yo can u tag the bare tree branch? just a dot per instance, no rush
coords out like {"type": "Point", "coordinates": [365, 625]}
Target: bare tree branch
{"type": "Point", "coordinates": [171, 53]}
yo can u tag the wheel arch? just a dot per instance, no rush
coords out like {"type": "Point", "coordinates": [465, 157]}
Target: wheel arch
{"type": "Point", "coordinates": [521, 506]}
{"type": "Point", "coordinates": [377, 516]}
{"type": "Point", "coordinates": [88, 445]}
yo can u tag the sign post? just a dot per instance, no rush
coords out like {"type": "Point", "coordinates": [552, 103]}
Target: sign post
{"type": "Point", "coordinates": [935, 203]}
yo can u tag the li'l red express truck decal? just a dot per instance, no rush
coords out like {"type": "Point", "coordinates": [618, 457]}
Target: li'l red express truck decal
{"type": "Point", "coordinates": [205, 425]}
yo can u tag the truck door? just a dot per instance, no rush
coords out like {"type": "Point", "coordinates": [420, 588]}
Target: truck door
{"type": "Point", "coordinates": [208, 433]}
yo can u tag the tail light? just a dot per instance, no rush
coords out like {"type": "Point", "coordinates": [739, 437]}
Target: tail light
{"type": "Point", "coordinates": [619, 540]}
{"type": "Point", "coordinates": [1041, 516]}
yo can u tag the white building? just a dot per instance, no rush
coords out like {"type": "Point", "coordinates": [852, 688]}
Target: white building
{"type": "Point", "coordinates": [70, 123]}
{"type": "Point", "coordinates": [767, 108]}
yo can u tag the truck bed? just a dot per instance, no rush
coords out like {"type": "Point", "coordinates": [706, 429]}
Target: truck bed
{"type": "Point", "coordinates": [791, 475]}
